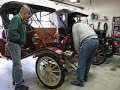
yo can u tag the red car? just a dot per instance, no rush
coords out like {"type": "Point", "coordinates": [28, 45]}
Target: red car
{"type": "Point", "coordinates": [38, 39]}
{"type": "Point", "coordinates": [52, 44]}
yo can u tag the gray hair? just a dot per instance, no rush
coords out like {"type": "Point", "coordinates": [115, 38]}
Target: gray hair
{"type": "Point", "coordinates": [25, 8]}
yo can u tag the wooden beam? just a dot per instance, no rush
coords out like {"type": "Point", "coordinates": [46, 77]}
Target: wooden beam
{"type": "Point", "coordinates": [61, 2]}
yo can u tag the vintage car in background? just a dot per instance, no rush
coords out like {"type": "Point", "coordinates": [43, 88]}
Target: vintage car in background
{"type": "Point", "coordinates": [47, 40]}
{"type": "Point", "coordinates": [107, 48]}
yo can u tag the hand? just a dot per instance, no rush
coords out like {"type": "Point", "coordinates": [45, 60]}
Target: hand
{"type": "Point", "coordinates": [77, 55]}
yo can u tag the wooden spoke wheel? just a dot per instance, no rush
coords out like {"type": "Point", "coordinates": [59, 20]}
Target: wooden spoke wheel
{"type": "Point", "coordinates": [50, 71]}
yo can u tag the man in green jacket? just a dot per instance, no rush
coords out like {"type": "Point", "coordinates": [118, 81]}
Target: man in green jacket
{"type": "Point", "coordinates": [16, 38]}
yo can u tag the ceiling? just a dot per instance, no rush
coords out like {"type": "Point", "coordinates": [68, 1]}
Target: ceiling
{"type": "Point", "coordinates": [92, 3]}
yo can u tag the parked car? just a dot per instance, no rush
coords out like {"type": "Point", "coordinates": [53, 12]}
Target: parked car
{"type": "Point", "coordinates": [67, 18]}
{"type": "Point", "coordinates": [37, 38]}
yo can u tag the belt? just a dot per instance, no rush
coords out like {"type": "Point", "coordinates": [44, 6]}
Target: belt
{"type": "Point", "coordinates": [88, 38]}
{"type": "Point", "coordinates": [95, 38]}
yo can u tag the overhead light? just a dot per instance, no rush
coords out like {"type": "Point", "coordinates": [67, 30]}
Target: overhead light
{"type": "Point", "coordinates": [75, 1]}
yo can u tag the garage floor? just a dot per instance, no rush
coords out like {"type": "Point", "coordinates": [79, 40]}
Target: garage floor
{"type": "Point", "coordinates": [103, 77]}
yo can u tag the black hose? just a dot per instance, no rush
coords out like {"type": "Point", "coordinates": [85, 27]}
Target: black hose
{"type": "Point", "coordinates": [105, 27]}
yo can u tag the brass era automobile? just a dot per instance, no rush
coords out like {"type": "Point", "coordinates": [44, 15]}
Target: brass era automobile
{"type": "Point", "coordinates": [52, 45]}
{"type": "Point", "coordinates": [49, 68]}
{"type": "Point", "coordinates": [51, 49]}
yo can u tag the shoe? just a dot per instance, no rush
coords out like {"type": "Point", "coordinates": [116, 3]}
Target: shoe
{"type": "Point", "coordinates": [76, 83]}
{"type": "Point", "coordinates": [85, 79]}
{"type": "Point", "coordinates": [21, 87]}
{"type": "Point", "coordinates": [13, 83]}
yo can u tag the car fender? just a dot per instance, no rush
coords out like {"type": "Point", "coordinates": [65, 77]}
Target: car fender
{"type": "Point", "coordinates": [52, 50]}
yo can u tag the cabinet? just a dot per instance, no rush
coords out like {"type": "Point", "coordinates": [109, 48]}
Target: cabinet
{"type": "Point", "coordinates": [116, 33]}
{"type": "Point", "coordinates": [116, 24]}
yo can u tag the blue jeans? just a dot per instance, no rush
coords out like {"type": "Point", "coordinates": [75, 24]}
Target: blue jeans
{"type": "Point", "coordinates": [87, 52]}
{"type": "Point", "coordinates": [15, 51]}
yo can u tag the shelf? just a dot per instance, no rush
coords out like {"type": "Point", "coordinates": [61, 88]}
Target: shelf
{"type": "Point", "coordinates": [116, 25]}
{"type": "Point", "coordinates": [99, 20]}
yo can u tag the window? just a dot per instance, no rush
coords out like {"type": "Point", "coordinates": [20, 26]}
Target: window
{"type": "Point", "coordinates": [41, 19]}
{"type": "Point", "coordinates": [81, 19]}
{"type": "Point", "coordinates": [10, 16]}
{"type": "Point", "coordinates": [1, 27]}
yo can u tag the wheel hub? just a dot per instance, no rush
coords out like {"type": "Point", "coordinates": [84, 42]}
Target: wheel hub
{"type": "Point", "coordinates": [48, 70]}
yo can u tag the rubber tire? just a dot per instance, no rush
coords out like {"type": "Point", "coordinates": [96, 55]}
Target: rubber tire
{"type": "Point", "coordinates": [103, 49]}
{"type": "Point", "coordinates": [113, 49]}
{"type": "Point", "coordinates": [60, 66]}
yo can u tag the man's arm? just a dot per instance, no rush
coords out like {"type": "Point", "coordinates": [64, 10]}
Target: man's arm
{"type": "Point", "coordinates": [75, 38]}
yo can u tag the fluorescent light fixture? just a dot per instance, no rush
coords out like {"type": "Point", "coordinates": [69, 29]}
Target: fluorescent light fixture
{"type": "Point", "coordinates": [75, 1]}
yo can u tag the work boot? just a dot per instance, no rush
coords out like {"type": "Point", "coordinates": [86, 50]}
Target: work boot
{"type": "Point", "coordinates": [21, 87]}
{"type": "Point", "coordinates": [76, 83]}
{"type": "Point", "coordinates": [85, 79]}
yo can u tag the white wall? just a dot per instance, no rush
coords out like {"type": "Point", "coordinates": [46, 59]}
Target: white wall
{"type": "Point", "coordinates": [107, 8]}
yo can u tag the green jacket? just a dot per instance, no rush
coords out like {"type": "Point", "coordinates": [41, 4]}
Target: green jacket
{"type": "Point", "coordinates": [16, 30]}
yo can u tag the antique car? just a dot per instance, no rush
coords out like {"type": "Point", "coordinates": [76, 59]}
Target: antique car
{"type": "Point", "coordinates": [52, 45]}
{"type": "Point", "coordinates": [66, 19]}
{"type": "Point", "coordinates": [49, 68]}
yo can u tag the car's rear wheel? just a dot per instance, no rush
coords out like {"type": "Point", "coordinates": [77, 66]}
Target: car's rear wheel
{"type": "Point", "coordinates": [50, 71]}
{"type": "Point", "coordinates": [111, 48]}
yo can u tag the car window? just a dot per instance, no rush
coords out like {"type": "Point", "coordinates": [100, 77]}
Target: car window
{"type": "Point", "coordinates": [41, 19]}
{"type": "Point", "coordinates": [1, 27]}
{"type": "Point", "coordinates": [81, 19]}
{"type": "Point", "coordinates": [84, 19]}
{"type": "Point", "coordinates": [10, 16]}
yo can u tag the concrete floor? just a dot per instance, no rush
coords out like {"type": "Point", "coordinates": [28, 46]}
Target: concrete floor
{"type": "Point", "coordinates": [103, 77]}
